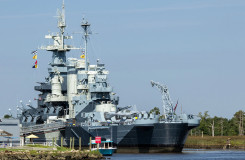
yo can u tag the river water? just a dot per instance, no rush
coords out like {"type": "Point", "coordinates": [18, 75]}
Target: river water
{"type": "Point", "coordinates": [189, 154]}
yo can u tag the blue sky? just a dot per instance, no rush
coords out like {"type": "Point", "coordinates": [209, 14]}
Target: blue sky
{"type": "Point", "coordinates": [194, 47]}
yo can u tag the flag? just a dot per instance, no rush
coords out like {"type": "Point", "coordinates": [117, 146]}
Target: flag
{"type": "Point", "coordinates": [82, 56]}
{"type": "Point", "coordinates": [35, 56]}
{"type": "Point", "coordinates": [34, 52]}
{"type": "Point", "coordinates": [176, 105]}
{"type": "Point", "coordinates": [35, 66]}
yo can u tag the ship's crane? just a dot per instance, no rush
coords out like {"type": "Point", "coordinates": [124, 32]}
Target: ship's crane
{"type": "Point", "coordinates": [166, 100]}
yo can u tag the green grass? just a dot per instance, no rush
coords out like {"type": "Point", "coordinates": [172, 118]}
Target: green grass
{"type": "Point", "coordinates": [215, 141]}
{"type": "Point", "coordinates": [95, 152]}
{"type": "Point", "coordinates": [42, 146]}
{"type": "Point", "coordinates": [38, 146]}
{"type": "Point", "coordinates": [33, 152]}
{"type": "Point", "coordinates": [63, 149]}
{"type": "Point", "coordinates": [7, 149]}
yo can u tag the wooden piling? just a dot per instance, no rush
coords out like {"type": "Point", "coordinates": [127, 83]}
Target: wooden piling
{"type": "Point", "coordinates": [53, 141]}
{"type": "Point", "coordinates": [70, 142]}
{"type": "Point", "coordinates": [61, 142]}
{"type": "Point", "coordinates": [73, 141]}
{"type": "Point", "coordinates": [90, 139]}
{"type": "Point", "coordinates": [80, 144]}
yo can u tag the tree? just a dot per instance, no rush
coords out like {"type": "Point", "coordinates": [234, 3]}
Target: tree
{"type": "Point", "coordinates": [221, 126]}
{"type": "Point", "coordinates": [155, 110]}
{"type": "Point", "coordinates": [212, 127]}
{"type": "Point", "coordinates": [233, 129]}
{"type": "Point", "coordinates": [7, 116]}
{"type": "Point", "coordinates": [236, 123]}
{"type": "Point", "coordinates": [204, 123]}
{"type": "Point", "coordinates": [241, 115]}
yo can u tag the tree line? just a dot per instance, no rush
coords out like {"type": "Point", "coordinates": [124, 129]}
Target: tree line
{"type": "Point", "coordinates": [219, 126]}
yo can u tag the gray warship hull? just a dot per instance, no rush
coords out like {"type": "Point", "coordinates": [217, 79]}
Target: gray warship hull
{"type": "Point", "coordinates": [155, 138]}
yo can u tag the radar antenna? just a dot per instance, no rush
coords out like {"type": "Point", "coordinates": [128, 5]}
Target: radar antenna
{"type": "Point", "coordinates": [87, 31]}
{"type": "Point", "coordinates": [167, 103]}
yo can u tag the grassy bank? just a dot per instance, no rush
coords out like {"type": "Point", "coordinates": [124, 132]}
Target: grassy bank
{"type": "Point", "coordinates": [49, 154]}
{"type": "Point", "coordinates": [217, 142]}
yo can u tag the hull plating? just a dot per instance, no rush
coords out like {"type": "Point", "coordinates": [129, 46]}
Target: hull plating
{"type": "Point", "coordinates": [158, 138]}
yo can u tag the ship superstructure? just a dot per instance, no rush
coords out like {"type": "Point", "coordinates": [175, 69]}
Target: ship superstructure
{"type": "Point", "coordinates": [76, 100]}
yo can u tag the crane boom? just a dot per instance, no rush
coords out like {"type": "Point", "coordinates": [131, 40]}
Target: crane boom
{"type": "Point", "coordinates": [166, 100]}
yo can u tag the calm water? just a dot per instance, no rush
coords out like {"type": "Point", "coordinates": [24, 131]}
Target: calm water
{"type": "Point", "coordinates": [186, 155]}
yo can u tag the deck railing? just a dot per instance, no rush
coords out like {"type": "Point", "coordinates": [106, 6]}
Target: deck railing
{"type": "Point", "coordinates": [43, 127]}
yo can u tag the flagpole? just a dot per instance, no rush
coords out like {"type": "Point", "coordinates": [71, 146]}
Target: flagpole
{"type": "Point", "coordinates": [181, 108]}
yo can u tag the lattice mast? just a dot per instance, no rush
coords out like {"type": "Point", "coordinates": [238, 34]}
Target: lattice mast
{"type": "Point", "coordinates": [166, 100]}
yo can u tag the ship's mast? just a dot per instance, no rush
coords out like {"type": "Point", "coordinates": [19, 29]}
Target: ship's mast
{"type": "Point", "coordinates": [86, 27]}
{"type": "Point", "coordinates": [59, 48]}
{"type": "Point", "coordinates": [62, 23]}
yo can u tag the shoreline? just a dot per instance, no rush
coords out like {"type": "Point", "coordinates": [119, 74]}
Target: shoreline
{"type": "Point", "coordinates": [216, 142]}
{"type": "Point", "coordinates": [48, 153]}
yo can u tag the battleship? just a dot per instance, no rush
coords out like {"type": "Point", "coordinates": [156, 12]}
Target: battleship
{"type": "Point", "coordinates": [76, 102]}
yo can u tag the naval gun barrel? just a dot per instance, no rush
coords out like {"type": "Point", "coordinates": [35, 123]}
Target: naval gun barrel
{"type": "Point", "coordinates": [29, 105]}
{"type": "Point", "coordinates": [123, 108]}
